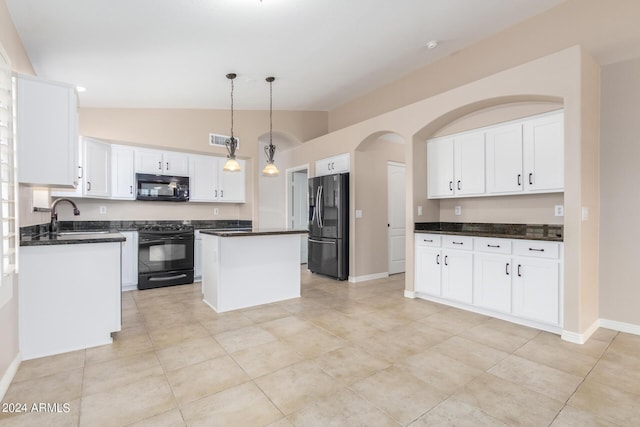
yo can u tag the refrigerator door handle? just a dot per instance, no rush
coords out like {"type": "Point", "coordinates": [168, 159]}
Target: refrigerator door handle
{"type": "Point", "coordinates": [322, 241]}
{"type": "Point", "coordinates": [320, 205]}
{"type": "Point", "coordinates": [317, 209]}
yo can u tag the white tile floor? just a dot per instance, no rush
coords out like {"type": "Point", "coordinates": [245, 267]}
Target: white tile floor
{"type": "Point", "coordinates": [343, 354]}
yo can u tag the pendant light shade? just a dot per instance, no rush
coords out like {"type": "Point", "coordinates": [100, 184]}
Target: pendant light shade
{"type": "Point", "coordinates": [270, 150]}
{"type": "Point", "coordinates": [232, 164]}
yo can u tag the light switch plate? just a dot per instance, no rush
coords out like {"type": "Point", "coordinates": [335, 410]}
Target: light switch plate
{"type": "Point", "coordinates": [103, 210]}
{"type": "Point", "coordinates": [457, 210]}
{"type": "Point", "coordinates": [358, 213]}
{"type": "Point", "coordinates": [216, 211]}
{"type": "Point", "coordinates": [419, 210]}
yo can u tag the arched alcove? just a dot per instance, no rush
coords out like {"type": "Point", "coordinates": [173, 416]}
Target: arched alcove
{"type": "Point", "coordinates": [271, 190]}
{"type": "Point", "coordinates": [371, 198]}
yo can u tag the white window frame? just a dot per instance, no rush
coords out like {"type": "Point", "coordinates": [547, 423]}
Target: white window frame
{"type": "Point", "coordinates": [8, 183]}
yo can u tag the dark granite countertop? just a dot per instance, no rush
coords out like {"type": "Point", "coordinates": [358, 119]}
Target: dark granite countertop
{"type": "Point", "coordinates": [103, 231]}
{"type": "Point", "coordinates": [251, 232]}
{"type": "Point", "coordinates": [549, 232]}
{"type": "Point", "coordinates": [46, 239]}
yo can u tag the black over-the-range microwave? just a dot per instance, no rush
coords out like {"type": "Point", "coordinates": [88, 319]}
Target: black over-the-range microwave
{"type": "Point", "coordinates": [162, 187]}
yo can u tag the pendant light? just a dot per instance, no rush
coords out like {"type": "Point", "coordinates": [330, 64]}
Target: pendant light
{"type": "Point", "coordinates": [232, 164]}
{"type": "Point", "coordinates": [270, 150]}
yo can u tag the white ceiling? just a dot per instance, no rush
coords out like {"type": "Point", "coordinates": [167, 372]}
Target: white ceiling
{"type": "Point", "coordinates": [176, 53]}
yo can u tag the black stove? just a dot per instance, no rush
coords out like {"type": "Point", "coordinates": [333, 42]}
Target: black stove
{"type": "Point", "coordinates": [165, 255]}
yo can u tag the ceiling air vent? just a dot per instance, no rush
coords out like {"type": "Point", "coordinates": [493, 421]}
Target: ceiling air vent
{"type": "Point", "coordinates": [220, 140]}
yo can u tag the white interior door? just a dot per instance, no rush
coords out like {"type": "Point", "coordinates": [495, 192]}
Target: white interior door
{"type": "Point", "coordinates": [299, 209]}
{"type": "Point", "coordinates": [396, 217]}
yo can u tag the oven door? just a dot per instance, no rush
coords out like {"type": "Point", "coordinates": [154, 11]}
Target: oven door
{"type": "Point", "coordinates": [164, 252]}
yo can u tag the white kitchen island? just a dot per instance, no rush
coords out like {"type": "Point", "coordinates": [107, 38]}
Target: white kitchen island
{"type": "Point", "coordinates": [248, 268]}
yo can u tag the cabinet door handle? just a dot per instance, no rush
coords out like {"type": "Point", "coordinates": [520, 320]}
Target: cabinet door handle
{"type": "Point", "coordinates": [438, 259]}
{"type": "Point", "coordinates": [531, 179]}
{"type": "Point", "coordinates": [458, 184]}
{"type": "Point", "coordinates": [445, 260]}
{"type": "Point", "coordinates": [131, 189]}
{"type": "Point", "coordinates": [506, 269]}
{"type": "Point", "coordinates": [81, 172]}
{"type": "Point", "coordinates": [221, 193]}
{"type": "Point", "coordinates": [450, 185]}
{"type": "Point", "coordinates": [458, 243]}
{"type": "Point", "coordinates": [88, 186]}
{"type": "Point", "coordinates": [493, 246]}
{"type": "Point", "coordinates": [216, 193]}
{"type": "Point", "coordinates": [536, 250]}
{"type": "Point", "coordinates": [167, 165]}
{"type": "Point", "coordinates": [159, 166]}
{"type": "Point", "coordinates": [519, 272]}
{"type": "Point", "coordinates": [425, 240]}
{"type": "Point", "coordinates": [519, 180]}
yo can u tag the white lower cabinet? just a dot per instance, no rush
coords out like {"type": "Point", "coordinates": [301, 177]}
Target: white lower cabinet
{"type": "Point", "coordinates": [517, 280]}
{"type": "Point", "coordinates": [129, 261]}
{"type": "Point", "coordinates": [457, 275]}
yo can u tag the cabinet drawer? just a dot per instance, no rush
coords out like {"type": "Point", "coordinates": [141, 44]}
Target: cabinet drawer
{"type": "Point", "coordinates": [433, 240]}
{"type": "Point", "coordinates": [491, 245]}
{"type": "Point", "coordinates": [535, 248]}
{"type": "Point", "coordinates": [457, 242]}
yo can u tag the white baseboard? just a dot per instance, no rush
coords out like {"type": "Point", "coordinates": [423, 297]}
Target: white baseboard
{"type": "Point", "coordinates": [8, 376]}
{"type": "Point", "coordinates": [582, 338]}
{"type": "Point", "coordinates": [628, 328]}
{"type": "Point", "coordinates": [409, 294]}
{"type": "Point", "coordinates": [367, 277]}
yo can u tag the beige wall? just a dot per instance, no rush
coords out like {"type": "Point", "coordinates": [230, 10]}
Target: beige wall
{"type": "Point", "coordinates": [11, 44]}
{"type": "Point", "coordinates": [608, 30]}
{"type": "Point", "coordinates": [371, 196]}
{"type": "Point", "coordinates": [619, 194]}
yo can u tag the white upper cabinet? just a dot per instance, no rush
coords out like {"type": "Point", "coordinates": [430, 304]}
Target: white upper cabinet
{"type": "Point", "coordinates": [203, 178]}
{"type": "Point", "coordinates": [231, 185]}
{"type": "Point", "coordinates": [122, 173]}
{"type": "Point", "coordinates": [504, 159]}
{"type": "Point", "coordinates": [208, 181]}
{"type": "Point", "coordinates": [456, 165]}
{"type": "Point", "coordinates": [522, 156]}
{"type": "Point", "coordinates": [469, 164]}
{"type": "Point", "coordinates": [97, 168]}
{"type": "Point", "coordinates": [47, 132]}
{"type": "Point", "coordinates": [161, 162]}
{"type": "Point", "coordinates": [440, 170]}
{"type": "Point", "coordinates": [544, 153]}
{"type": "Point", "coordinates": [332, 165]}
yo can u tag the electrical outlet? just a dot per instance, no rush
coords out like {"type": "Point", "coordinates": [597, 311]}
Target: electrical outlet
{"type": "Point", "coordinates": [103, 210]}
{"type": "Point", "coordinates": [457, 210]}
{"type": "Point", "coordinates": [559, 210]}
{"type": "Point", "coordinates": [216, 211]}
{"type": "Point", "coordinates": [585, 213]}
{"type": "Point", "coordinates": [419, 210]}
{"type": "Point", "coordinates": [358, 213]}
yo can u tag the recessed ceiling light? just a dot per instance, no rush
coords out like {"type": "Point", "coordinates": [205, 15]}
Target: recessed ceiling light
{"type": "Point", "coordinates": [432, 44]}
{"type": "Point", "coordinates": [81, 88]}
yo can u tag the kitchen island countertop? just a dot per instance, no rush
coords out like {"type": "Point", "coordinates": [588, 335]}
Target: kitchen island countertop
{"type": "Point", "coordinates": [252, 232]}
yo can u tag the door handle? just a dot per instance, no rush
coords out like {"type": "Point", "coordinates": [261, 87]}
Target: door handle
{"type": "Point", "coordinates": [131, 189]}
{"type": "Point", "coordinates": [222, 194]}
{"type": "Point", "coordinates": [458, 184]}
{"type": "Point", "coordinates": [519, 271]}
{"type": "Point", "coordinates": [450, 185]}
{"type": "Point", "coordinates": [167, 165]}
{"type": "Point", "coordinates": [506, 269]}
{"type": "Point", "coordinates": [536, 250]}
{"type": "Point", "coordinates": [493, 246]}
{"type": "Point", "coordinates": [519, 180]}
{"type": "Point", "coordinates": [159, 166]}
{"type": "Point", "coordinates": [531, 179]}
{"type": "Point", "coordinates": [322, 241]}
{"type": "Point", "coordinates": [438, 259]}
{"type": "Point", "coordinates": [81, 172]}
{"type": "Point", "coordinates": [445, 260]}
{"type": "Point", "coordinates": [88, 186]}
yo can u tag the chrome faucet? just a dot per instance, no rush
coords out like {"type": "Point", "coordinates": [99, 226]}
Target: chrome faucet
{"type": "Point", "coordinates": [53, 226]}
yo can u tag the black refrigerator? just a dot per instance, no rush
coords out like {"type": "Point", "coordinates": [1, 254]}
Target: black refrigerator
{"type": "Point", "coordinates": [329, 225]}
